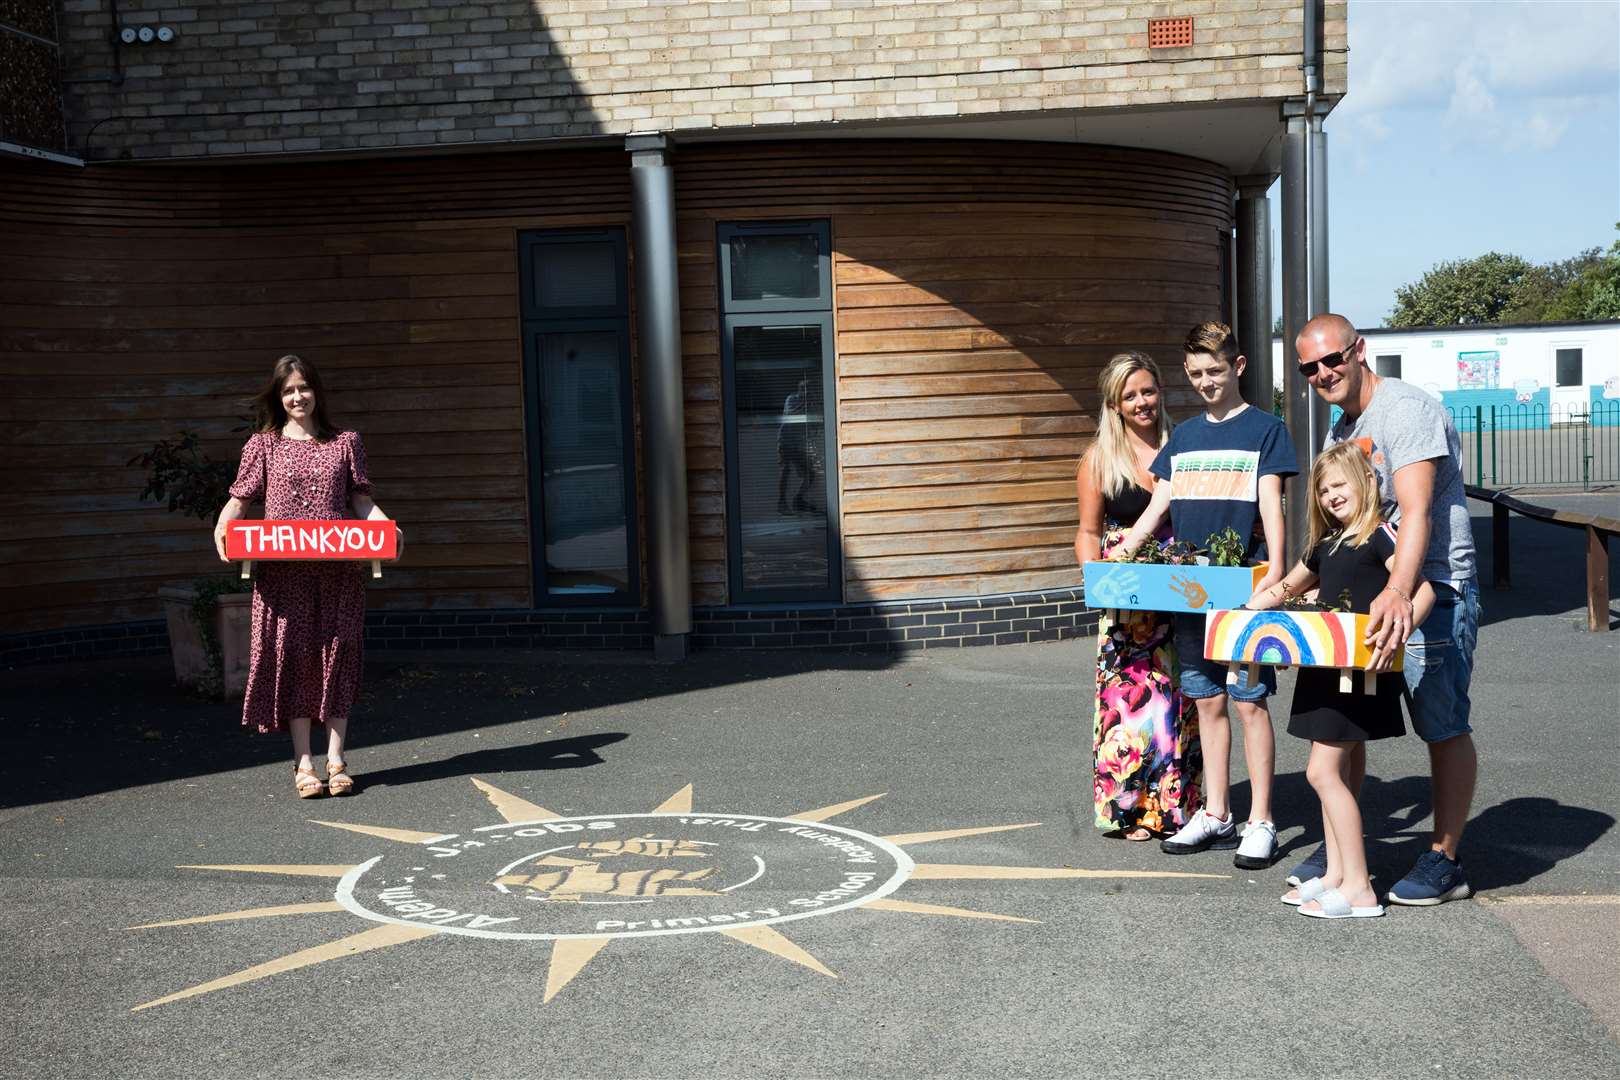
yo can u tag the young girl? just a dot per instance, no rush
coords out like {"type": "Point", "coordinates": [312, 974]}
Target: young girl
{"type": "Point", "coordinates": [1350, 551]}
{"type": "Point", "coordinates": [308, 617]}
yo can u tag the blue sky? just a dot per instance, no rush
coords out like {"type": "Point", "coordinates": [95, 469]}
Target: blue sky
{"type": "Point", "coordinates": [1469, 127]}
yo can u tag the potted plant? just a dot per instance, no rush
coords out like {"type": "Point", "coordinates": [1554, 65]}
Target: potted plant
{"type": "Point", "coordinates": [209, 618]}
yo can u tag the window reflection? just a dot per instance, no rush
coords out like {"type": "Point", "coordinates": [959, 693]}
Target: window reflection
{"type": "Point", "coordinates": [781, 433]}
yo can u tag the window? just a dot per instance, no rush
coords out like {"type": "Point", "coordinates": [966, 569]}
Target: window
{"type": "Point", "coordinates": [781, 434]}
{"type": "Point", "coordinates": [1389, 364]}
{"type": "Point", "coordinates": [576, 374]}
{"type": "Point", "coordinates": [1567, 367]}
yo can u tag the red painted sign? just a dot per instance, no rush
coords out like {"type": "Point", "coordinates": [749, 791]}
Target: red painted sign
{"type": "Point", "coordinates": [339, 541]}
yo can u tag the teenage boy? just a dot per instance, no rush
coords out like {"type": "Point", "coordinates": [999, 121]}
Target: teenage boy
{"type": "Point", "coordinates": [1218, 471]}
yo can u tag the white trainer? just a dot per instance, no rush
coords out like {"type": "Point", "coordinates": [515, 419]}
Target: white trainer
{"type": "Point", "coordinates": [1203, 832]}
{"type": "Point", "coordinates": [1259, 847]}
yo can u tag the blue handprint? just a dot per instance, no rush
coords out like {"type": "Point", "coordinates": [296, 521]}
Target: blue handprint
{"type": "Point", "coordinates": [1112, 587]}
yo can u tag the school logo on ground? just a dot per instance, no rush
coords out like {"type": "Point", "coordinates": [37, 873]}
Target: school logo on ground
{"type": "Point", "coordinates": [575, 884]}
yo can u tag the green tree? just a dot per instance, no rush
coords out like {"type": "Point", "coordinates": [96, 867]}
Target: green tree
{"type": "Point", "coordinates": [1555, 291]}
{"type": "Point", "coordinates": [1461, 292]}
{"type": "Point", "coordinates": [1602, 298]}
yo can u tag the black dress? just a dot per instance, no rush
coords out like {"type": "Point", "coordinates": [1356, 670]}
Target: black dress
{"type": "Point", "coordinates": [1123, 509]}
{"type": "Point", "coordinates": [1320, 712]}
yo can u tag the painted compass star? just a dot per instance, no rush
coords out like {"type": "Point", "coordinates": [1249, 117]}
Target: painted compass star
{"type": "Point", "coordinates": [580, 883]}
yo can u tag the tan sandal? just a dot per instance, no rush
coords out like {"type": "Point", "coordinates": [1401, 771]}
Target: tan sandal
{"type": "Point", "coordinates": [309, 785]}
{"type": "Point", "coordinates": [338, 780]}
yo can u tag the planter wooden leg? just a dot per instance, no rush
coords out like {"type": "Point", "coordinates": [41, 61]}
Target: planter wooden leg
{"type": "Point", "coordinates": [1254, 675]}
{"type": "Point", "coordinates": [1597, 579]}
{"type": "Point", "coordinates": [247, 569]}
{"type": "Point", "coordinates": [1231, 674]}
{"type": "Point", "coordinates": [1346, 682]}
{"type": "Point", "coordinates": [1369, 682]}
{"type": "Point", "coordinates": [376, 568]}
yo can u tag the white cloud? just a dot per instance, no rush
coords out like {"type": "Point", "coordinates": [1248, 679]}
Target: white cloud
{"type": "Point", "coordinates": [1503, 73]}
{"type": "Point", "coordinates": [1545, 131]}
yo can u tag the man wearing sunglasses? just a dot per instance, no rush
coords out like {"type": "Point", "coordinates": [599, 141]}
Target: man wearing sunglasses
{"type": "Point", "coordinates": [1416, 455]}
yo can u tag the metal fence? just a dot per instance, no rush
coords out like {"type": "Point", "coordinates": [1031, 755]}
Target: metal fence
{"type": "Point", "coordinates": [1534, 444]}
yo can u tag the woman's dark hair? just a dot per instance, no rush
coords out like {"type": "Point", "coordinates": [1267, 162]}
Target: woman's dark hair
{"type": "Point", "coordinates": [271, 416]}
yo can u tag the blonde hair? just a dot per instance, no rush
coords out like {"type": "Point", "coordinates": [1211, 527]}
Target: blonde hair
{"type": "Point", "coordinates": [1111, 461]}
{"type": "Point", "coordinates": [1352, 461]}
{"type": "Point", "coordinates": [1212, 339]}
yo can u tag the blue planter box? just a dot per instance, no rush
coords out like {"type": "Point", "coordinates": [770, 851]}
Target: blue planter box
{"type": "Point", "coordinates": [1157, 587]}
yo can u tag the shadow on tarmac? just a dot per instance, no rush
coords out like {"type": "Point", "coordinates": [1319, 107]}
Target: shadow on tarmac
{"type": "Point", "coordinates": [578, 752]}
{"type": "Point", "coordinates": [1534, 548]}
{"type": "Point", "coordinates": [1506, 844]}
{"type": "Point", "coordinates": [88, 727]}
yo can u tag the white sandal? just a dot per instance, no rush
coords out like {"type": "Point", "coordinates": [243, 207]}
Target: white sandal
{"type": "Point", "coordinates": [1304, 892]}
{"type": "Point", "coordinates": [1335, 906]}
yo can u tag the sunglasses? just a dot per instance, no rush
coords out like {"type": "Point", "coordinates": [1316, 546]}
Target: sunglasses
{"type": "Point", "coordinates": [1333, 360]}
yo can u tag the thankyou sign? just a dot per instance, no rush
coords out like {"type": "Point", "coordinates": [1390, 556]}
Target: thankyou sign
{"type": "Point", "coordinates": [340, 541]}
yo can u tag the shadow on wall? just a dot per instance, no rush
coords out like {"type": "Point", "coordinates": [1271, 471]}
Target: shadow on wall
{"type": "Point", "coordinates": [140, 301]}
{"type": "Point", "coordinates": [343, 76]}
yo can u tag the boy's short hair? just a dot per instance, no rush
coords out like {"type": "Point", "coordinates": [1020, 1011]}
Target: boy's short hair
{"type": "Point", "coordinates": [1212, 339]}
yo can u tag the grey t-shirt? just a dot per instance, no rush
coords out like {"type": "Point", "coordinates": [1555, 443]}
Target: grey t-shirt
{"type": "Point", "coordinates": [1402, 425]}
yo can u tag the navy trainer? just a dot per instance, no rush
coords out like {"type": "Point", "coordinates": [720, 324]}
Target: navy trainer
{"type": "Point", "coordinates": [1433, 879]}
{"type": "Point", "coordinates": [1313, 866]}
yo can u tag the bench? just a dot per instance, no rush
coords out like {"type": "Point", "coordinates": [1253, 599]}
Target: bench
{"type": "Point", "coordinates": [1598, 530]}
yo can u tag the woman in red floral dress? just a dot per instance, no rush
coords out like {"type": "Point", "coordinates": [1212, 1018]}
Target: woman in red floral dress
{"type": "Point", "coordinates": [308, 617]}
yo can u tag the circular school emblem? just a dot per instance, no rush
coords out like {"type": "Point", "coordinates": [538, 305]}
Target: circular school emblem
{"type": "Point", "coordinates": [627, 875]}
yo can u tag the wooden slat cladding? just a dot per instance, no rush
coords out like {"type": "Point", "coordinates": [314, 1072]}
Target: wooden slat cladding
{"type": "Point", "coordinates": [135, 301]}
{"type": "Point", "coordinates": [979, 288]}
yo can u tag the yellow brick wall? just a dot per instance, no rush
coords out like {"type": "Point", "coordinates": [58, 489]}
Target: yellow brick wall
{"type": "Point", "coordinates": [294, 75]}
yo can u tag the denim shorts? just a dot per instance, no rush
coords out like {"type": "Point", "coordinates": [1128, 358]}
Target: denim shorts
{"type": "Point", "coordinates": [1202, 678]}
{"type": "Point", "coordinates": [1439, 663]}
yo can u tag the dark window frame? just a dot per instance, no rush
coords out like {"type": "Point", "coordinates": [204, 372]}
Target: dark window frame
{"type": "Point", "coordinates": [823, 233]}
{"type": "Point", "coordinates": [740, 593]}
{"type": "Point", "coordinates": [536, 322]}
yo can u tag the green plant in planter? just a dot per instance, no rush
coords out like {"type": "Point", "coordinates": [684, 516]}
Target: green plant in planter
{"type": "Point", "coordinates": [1227, 548]}
{"type": "Point", "coordinates": [184, 475]}
{"type": "Point", "coordinates": [1174, 553]}
{"type": "Point", "coordinates": [1300, 603]}
{"type": "Point", "coordinates": [192, 483]}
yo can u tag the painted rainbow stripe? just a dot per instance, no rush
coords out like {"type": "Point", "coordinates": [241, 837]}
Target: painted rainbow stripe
{"type": "Point", "coordinates": [1288, 638]}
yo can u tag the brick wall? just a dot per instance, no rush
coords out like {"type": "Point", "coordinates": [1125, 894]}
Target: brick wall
{"type": "Point", "coordinates": [297, 75]}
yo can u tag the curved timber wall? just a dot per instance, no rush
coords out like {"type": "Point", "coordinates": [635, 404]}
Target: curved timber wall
{"type": "Point", "coordinates": [978, 288]}
{"type": "Point", "coordinates": [136, 301]}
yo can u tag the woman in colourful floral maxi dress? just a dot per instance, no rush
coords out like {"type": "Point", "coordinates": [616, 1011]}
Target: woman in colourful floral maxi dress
{"type": "Point", "coordinates": [1147, 764]}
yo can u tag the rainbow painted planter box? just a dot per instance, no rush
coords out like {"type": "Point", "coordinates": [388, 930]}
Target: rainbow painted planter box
{"type": "Point", "coordinates": [1328, 639]}
{"type": "Point", "coordinates": [1158, 587]}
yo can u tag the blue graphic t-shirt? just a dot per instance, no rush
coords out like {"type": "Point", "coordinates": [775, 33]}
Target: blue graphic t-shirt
{"type": "Point", "coordinates": [1215, 470]}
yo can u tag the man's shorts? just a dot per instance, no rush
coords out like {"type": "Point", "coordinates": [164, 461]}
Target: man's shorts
{"type": "Point", "coordinates": [1202, 678]}
{"type": "Point", "coordinates": [1440, 662]}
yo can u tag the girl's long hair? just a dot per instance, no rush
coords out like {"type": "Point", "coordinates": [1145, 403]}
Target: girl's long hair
{"type": "Point", "coordinates": [269, 414]}
{"type": "Point", "coordinates": [1350, 460]}
{"type": "Point", "coordinates": [1112, 464]}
